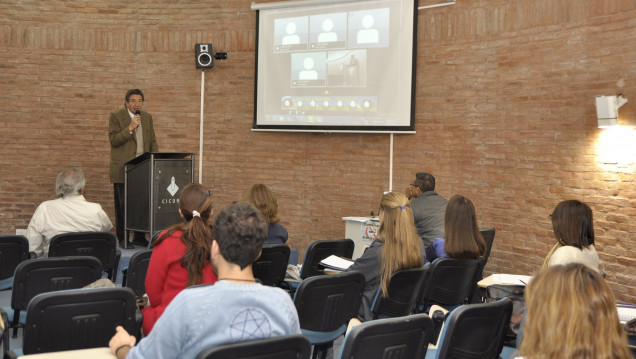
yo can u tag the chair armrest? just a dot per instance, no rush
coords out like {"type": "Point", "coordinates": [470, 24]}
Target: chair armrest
{"type": "Point", "coordinates": [139, 318]}
{"type": "Point", "coordinates": [438, 320]}
{"type": "Point", "coordinates": [116, 267]}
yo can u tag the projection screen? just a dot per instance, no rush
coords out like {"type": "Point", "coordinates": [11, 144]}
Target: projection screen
{"type": "Point", "coordinates": [335, 66]}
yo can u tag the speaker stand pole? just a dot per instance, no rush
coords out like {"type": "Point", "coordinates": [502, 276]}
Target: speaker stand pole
{"type": "Point", "coordinates": [201, 128]}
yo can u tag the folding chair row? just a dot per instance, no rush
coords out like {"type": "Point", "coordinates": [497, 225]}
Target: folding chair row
{"type": "Point", "coordinates": [77, 319]}
{"type": "Point", "coordinates": [471, 331]}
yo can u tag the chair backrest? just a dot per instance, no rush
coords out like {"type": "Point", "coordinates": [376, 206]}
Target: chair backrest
{"type": "Point", "coordinates": [137, 269]}
{"type": "Point", "coordinates": [13, 250]}
{"type": "Point", "coordinates": [475, 331]}
{"type": "Point", "coordinates": [395, 338]}
{"type": "Point", "coordinates": [403, 293]}
{"type": "Point", "coordinates": [489, 237]}
{"type": "Point", "coordinates": [450, 282]}
{"type": "Point", "coordinates": [78, 319]}
{"type": "Point", "coordinates": [36, 276]}
{"type": "Point", "coordinates": [319, 250]}
{"type": "Point", "coordinates": [270, 268]}
{"type": "Point", "coordinates": [102, 245]}
{"type": "Point", "coordinates": [283, 347]}
{"type": "Point", "coordinates": [325, 303]}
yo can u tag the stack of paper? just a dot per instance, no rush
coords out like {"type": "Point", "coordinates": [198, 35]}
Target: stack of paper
{"type": "Point", "coordinates": [511, 279]}
{"type": "Point", "coordinates": [337, 263]}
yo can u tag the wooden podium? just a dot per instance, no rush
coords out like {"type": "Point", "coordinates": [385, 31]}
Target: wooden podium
{"type": "Point", "coordinates": [153, 182]}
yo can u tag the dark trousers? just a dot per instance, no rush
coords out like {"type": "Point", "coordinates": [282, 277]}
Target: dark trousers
{"type": "Point", "coordinates": [120, 200]}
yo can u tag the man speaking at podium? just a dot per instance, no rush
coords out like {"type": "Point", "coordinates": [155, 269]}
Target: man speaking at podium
{"type": "Point", "coordinates": [131, 133]}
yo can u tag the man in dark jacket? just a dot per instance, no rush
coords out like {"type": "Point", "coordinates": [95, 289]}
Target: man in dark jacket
{"type": "Point", "coordinates": [131, 133]}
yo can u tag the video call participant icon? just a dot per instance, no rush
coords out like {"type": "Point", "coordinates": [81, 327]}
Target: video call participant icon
{"type": "Point", "coordinates": [327, 35]}
{"type": "Point", "coordinates": [291, 38]}
{"type": "Point", "coordinates": [308, 73]}
{"type": "Point", "coordinates": [367, 35]}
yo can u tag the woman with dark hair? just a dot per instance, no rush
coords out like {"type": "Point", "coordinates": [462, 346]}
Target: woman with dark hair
{"type": "Point", "coordinates": [265, 201]}
{"type": "Point", "coordinates": [462, 238]}
{"type": "Point", "coordinates": [398, 247]}
{"type": "Point", "coordinates": [574, 232]}
{"type": "Point", "coordinates": [181, 254]}
{"type": "Point", "coordinates": [571, 313]}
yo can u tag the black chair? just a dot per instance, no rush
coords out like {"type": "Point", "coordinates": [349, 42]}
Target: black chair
{"type": "Point", "coordinates": [325, 304]}
{"type": "Point", "coordinates": [14, 249]}
{"type": "Point", "coordinates": [489, 237]}
{"type": "Point", "coordinates": [450, 282]}
{"type": "Point", "coordinates": [35, 276]}
{"type": "Point", "coordinates": [474, 331]}
{"type": "Point", "coordinates": [270, 268]}
{"type": "Point", "coordinates": [134, 277]}
{"type": "Point", "coordinates": [403, 294]}
{"type": "Point", "coordinates": [321, 249]}
{"type": "Point", "coordinates": [102, 245]}
{"type": "Point", "coordinates": [283, 347]}
{"type": "Point", "coordinates": [395, 338]}
{"type": "Point", "coordinates": [479, 296]}
{"type": "Point", "coordinates": [78, 319]}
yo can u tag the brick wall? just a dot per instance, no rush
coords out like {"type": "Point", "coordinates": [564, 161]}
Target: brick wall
{"type": "Point", "coordinates": [504, 115]}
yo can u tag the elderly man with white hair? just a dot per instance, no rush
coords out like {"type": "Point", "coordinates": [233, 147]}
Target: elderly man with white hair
{"type": "Point", "coordinates": [70, 212]}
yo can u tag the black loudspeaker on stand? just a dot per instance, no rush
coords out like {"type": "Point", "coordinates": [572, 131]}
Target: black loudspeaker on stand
{"type": "Point", "coordinates": [204, 56]}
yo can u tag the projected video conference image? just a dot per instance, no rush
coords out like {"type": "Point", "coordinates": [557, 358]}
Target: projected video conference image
{"type": "Point", "coordinates": [340, 66]}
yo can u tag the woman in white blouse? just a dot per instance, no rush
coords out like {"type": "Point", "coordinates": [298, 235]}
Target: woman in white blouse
{"type": "Point", "coordinates": [574, 232]}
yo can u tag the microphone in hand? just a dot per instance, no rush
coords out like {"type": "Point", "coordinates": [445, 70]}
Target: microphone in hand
{"type": "Point", "coordinates": [136, 120]}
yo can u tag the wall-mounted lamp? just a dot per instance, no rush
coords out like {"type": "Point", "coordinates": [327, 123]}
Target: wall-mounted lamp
{"type": "Point", "coordinates": [607, 110]}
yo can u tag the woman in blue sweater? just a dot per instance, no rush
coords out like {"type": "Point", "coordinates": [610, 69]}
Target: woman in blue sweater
{"type": "Point", "coordinates": [462, 239]}
{"type": "Point", "coordinates": [265, 201]}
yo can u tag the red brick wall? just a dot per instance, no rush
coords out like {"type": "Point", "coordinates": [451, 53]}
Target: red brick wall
{"type": "Point", "coordinates": [504, 115]}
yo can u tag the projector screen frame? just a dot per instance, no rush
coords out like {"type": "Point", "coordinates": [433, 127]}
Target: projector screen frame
{"type": "Point", "coordinates": [403, 129]}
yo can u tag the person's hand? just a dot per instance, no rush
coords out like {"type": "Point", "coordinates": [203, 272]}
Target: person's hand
{"type": "Point", "coordinates": [134, 123]}
{"type": "Point", "coordinates": [120, 339]}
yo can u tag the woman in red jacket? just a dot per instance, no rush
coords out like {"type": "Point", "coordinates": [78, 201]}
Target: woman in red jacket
{"type": "Point", "coordinates": [181, 254]}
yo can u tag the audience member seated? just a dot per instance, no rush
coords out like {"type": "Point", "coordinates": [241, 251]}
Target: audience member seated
{"type": "Point", "coordinates": [234, 309]}
{"type": "Point", "coordinates": [428, 208]}
{"type": "Point", "coordinates": [70, 212]}
{"type": "Point", "coordinates": [574, 232]}
{"type": "Point", "coordinates": [463, 240]}
{"type": "Point", "coordinates": [265, 201]}
{"type": "Point", "coordinates": [181, 254]}
{"type": "Point", "coordinates": [398, 247]}
{"type": "Point", "coordinates": [571, 313]}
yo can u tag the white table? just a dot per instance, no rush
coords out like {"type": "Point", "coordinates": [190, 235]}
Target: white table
{"type": "Point", "coordinates": [93, 353]}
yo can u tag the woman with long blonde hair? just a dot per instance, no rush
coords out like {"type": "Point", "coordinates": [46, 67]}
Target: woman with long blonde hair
{"type": "Point", "coordinates": [571, 313]}
{"type": "Point", "coordinates": [398, 247]}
